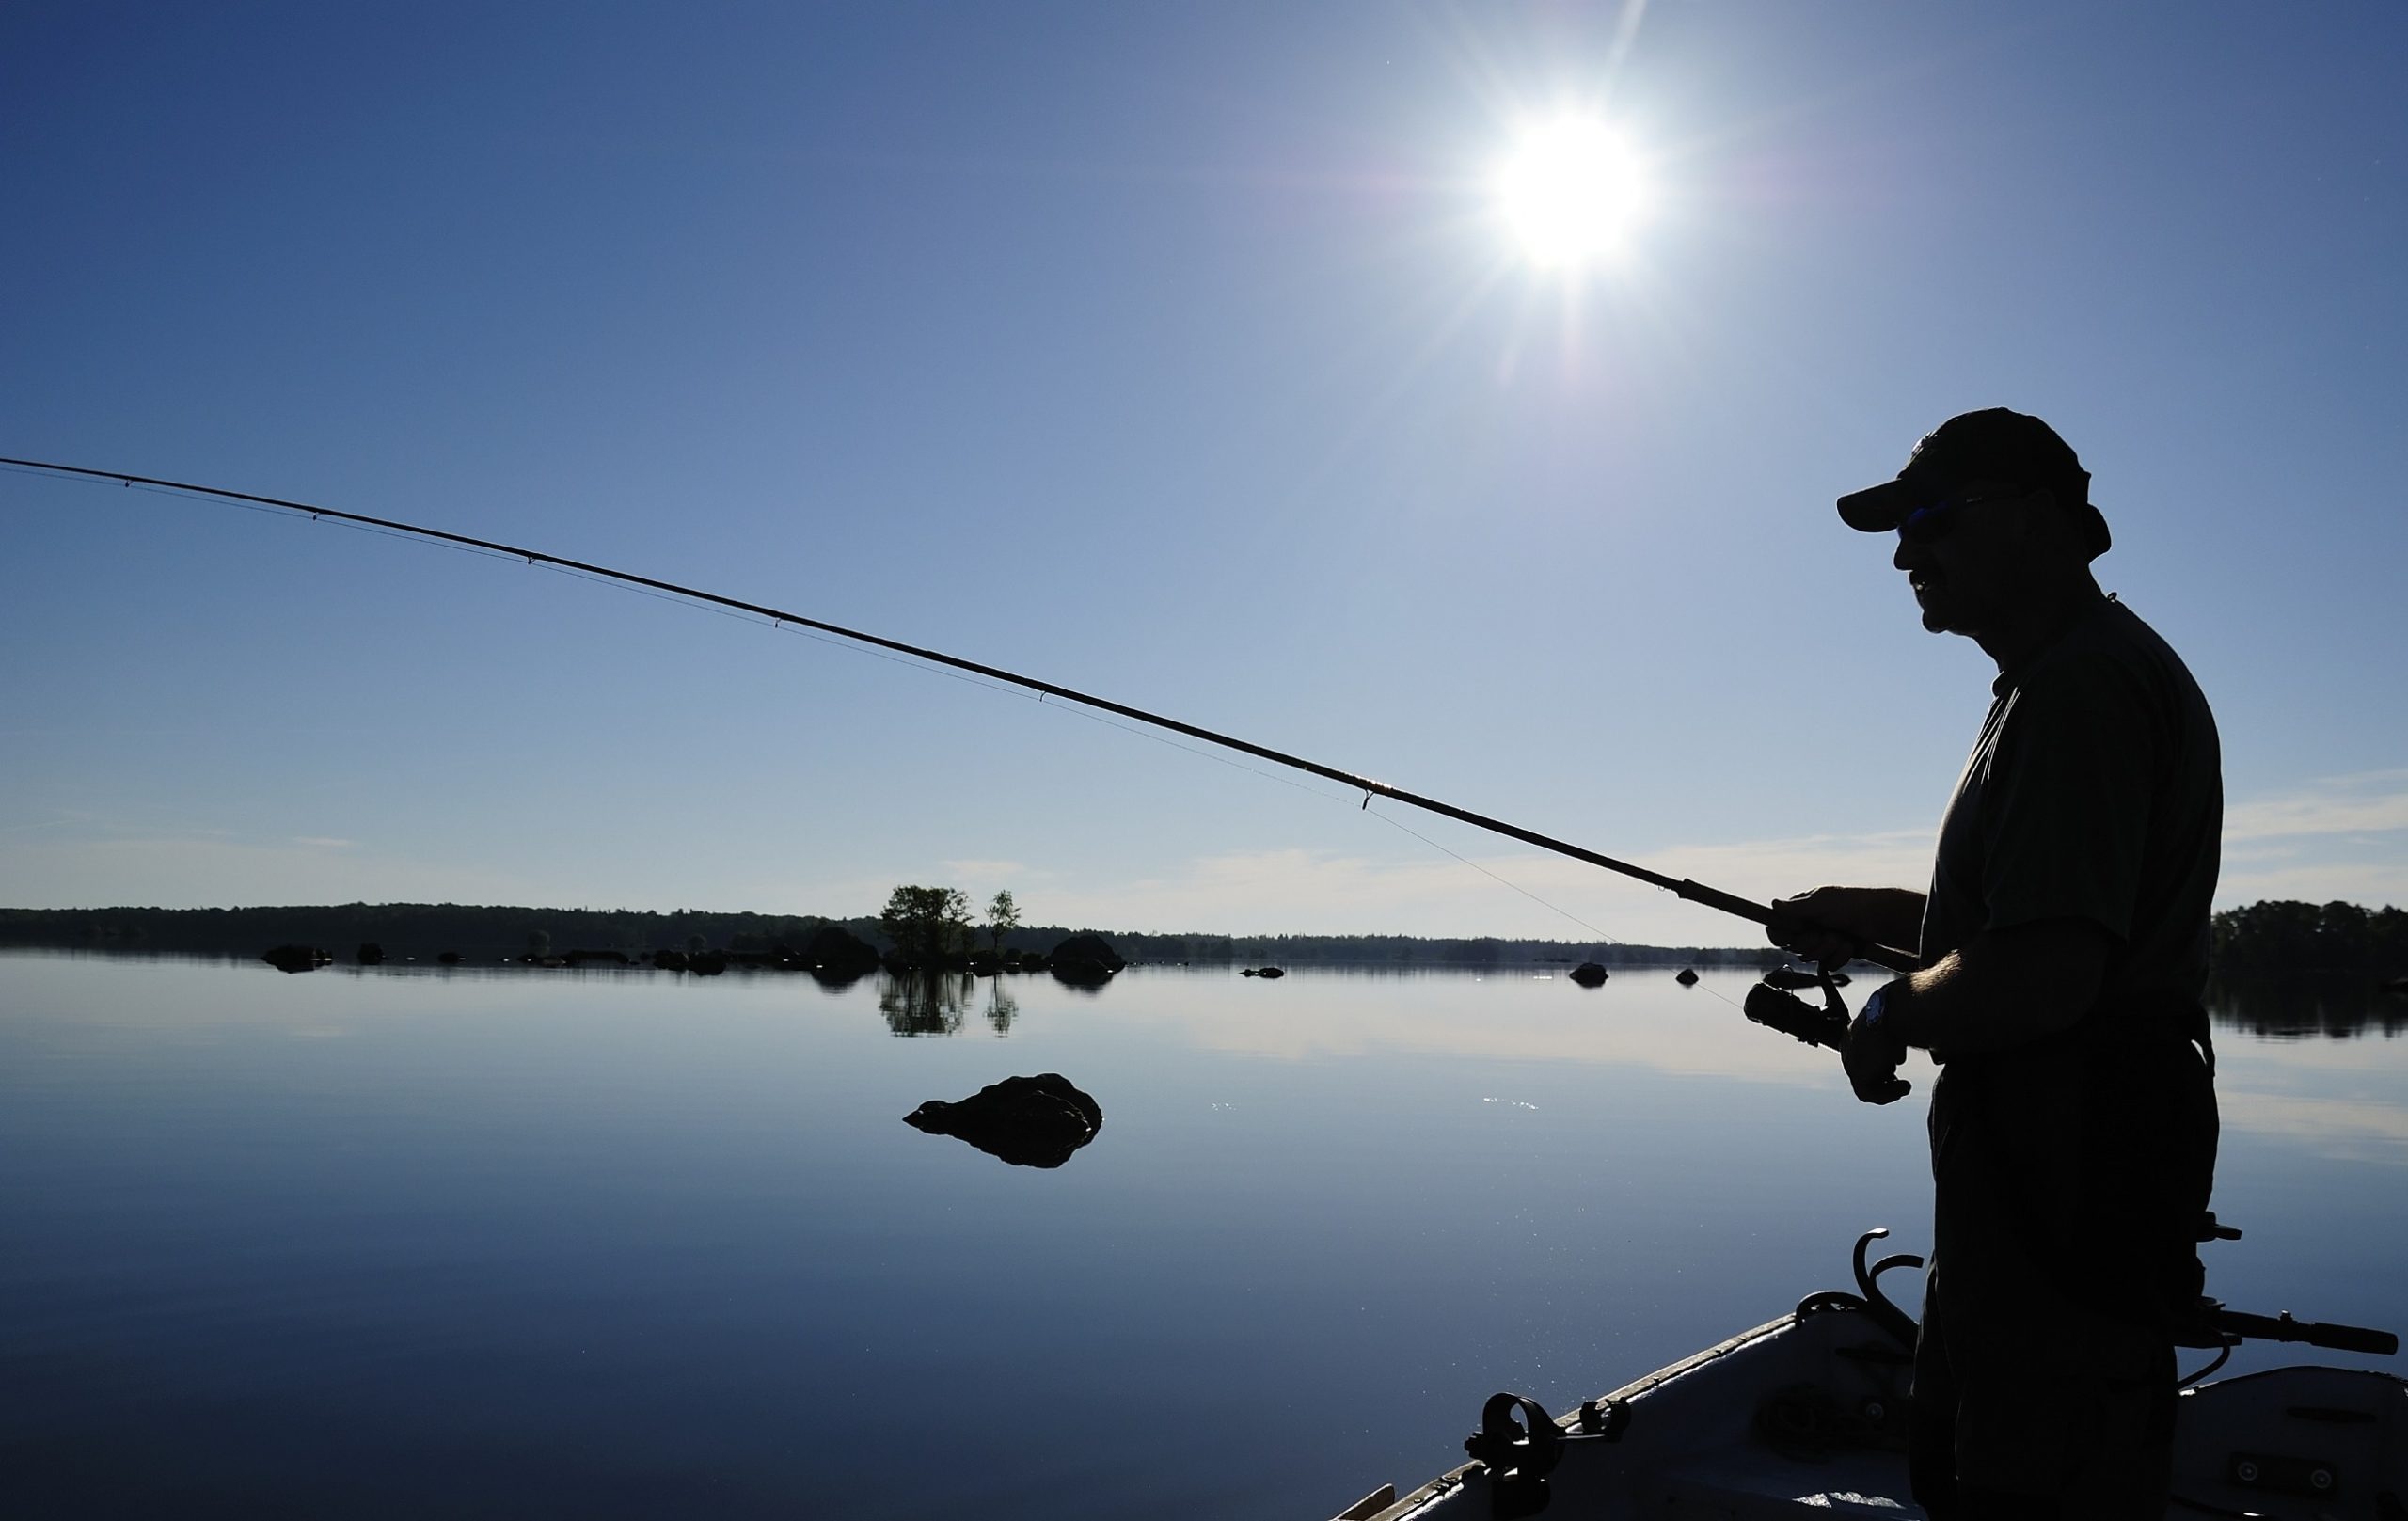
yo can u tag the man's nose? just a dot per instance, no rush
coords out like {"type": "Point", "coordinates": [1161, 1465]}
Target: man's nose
{"type": "Point", "coordinates": [1908, 554]}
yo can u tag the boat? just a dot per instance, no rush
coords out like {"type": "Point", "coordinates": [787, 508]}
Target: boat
{"type": "Point", "coordinates": [1806, 1414]}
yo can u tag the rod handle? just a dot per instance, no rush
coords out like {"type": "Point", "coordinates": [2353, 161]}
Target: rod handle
{"type": "Point", "coordinates": [2315, 1333]}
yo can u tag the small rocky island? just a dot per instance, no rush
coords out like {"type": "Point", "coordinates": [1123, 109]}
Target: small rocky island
{"type": "Point", "coordinates": [1027, 1121]}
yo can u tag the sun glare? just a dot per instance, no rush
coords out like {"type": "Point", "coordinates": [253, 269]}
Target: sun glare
{"type": "Point", "coordinates": [1571, 191]}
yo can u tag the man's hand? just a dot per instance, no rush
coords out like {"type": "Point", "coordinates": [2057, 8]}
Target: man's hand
{"type": "Point", "coordinates": [1827, 924]}
{"type": "Point", "coordinates": [1872, 1055]}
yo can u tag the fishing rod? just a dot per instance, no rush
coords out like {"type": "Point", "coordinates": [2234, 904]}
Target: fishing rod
{"type": "Point", "coordinates": [1693, 892]}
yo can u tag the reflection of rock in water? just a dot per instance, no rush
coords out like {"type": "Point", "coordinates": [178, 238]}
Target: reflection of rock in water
{"type": "Point", "coordinates": [1027, 1121]}
{"type": "Point", "coordinates": [925, 1003]}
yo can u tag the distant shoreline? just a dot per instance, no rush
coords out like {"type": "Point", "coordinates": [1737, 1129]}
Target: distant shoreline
{"type": "Point", "coordinates": [2279, 937]}
{"type": "Point", "coordinates": [490, 933]}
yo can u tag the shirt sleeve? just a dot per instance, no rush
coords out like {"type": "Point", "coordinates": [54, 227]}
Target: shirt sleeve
{"type": "Point", "coordinates": [2067, 810]}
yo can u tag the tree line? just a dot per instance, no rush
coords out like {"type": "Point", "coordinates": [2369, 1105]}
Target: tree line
{"type": "Point", "coordinates": [2284, 935]}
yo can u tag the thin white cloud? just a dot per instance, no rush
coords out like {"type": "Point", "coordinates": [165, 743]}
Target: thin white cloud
{"type": "Point", "coordinates": [2335, 838]}
{"type": "Point", "coordinates": [1542, 897]}
{"type": "Point", "coordinates": [202, 871]}
{"type": "Point", "coordinates": [323, 842]}
{"type": "Point", "coordinates": [2368, 802]}
{"type": "Point", "coordinates": [980, 872]}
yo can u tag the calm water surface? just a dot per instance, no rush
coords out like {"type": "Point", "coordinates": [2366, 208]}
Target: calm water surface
{"type": "Point", "coordinates": [405, 1243]}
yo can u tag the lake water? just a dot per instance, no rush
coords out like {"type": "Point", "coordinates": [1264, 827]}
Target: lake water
{"type": "Point", "coordinates": [405, 1242]}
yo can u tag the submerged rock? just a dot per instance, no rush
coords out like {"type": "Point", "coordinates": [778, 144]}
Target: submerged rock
{"type": "Point", "coordinates": [1027, 1121]}
{"type": "Point", "coordinates": [1686, 977]}
{"type": "Point", "coordinates": [1589, 975]}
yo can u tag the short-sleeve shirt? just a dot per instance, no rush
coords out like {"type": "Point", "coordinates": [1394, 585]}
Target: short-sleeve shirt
{"type": "Point", "coordinates": [2095, 792]}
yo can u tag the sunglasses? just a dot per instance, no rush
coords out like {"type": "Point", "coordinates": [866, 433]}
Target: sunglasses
{"type": "Point", "coordinates": [1928, 525]}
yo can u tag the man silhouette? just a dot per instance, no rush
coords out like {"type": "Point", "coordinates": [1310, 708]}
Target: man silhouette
{"type": "Point", "coordinates": [2062, 952]}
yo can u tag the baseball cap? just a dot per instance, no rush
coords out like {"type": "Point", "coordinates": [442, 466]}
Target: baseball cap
{"type": "Point", "coordinates": [1993, 444]}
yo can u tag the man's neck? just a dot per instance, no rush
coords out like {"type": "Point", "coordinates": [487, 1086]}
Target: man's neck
{"type": "Point", "coordinates": [2040, 623]}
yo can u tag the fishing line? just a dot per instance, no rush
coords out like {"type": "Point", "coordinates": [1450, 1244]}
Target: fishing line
{"type": "Point", "coordinates": [1692, 891]}
{"type": "Point", "coordinates": [1517, 887]}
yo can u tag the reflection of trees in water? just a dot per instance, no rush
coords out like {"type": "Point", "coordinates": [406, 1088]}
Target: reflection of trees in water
{"type": "Point", "coordinates": [936, 1002]}
{"type": "Point", "coordinates": [923, 1003]}
{"type": "Point", "coordinates": [2298, 1007]}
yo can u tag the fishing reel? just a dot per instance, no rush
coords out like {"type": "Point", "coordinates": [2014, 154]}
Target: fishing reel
{"type": "Point", "coordinates": [1873, 1077]}
{"type": "Point", "coordinates": [1780, 1009]}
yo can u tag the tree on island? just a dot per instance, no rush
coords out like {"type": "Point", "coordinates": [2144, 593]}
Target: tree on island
{"type": "Point", "coordinates": [925, 924]}
{"type": "Point", "coordinates": [1003, 917]}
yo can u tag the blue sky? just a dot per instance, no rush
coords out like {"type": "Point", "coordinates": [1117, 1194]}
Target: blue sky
{"type": "Point", "coordinates": [1179, 355]}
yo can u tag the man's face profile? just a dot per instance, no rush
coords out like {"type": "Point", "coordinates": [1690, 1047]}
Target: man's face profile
{"type": "Point", "coordinates": [1965, 559]}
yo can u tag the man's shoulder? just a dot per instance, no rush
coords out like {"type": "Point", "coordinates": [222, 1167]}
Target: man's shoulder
{"type": "Point", "coordinates": [2111, 656]}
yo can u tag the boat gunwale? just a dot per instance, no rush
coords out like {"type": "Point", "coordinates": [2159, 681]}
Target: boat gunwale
{"type": "Point", "coordinates": [1453, 1478]}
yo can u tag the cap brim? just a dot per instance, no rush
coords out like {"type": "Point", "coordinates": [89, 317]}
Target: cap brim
{"type": "Point", "coordinates": [1878, 509]}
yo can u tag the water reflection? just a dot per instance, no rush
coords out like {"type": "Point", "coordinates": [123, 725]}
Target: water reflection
{"type": "Point", "coordinates": [923, 1003]}
{"type": "Point", "coordinates": [2302, 1005]}
{"type": "Point", "coordinates": [1002, 1007]}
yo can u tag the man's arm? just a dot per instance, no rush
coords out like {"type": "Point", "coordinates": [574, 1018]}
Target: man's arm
{"type": "Point", "coordinates": [2004, 988]}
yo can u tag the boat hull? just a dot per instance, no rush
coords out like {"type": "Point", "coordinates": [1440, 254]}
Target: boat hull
{"type": "Point", "coordinates": [1807, 1414]}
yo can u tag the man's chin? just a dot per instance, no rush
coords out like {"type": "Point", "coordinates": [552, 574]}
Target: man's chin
{"type": "Point", "coordinates": [1938, 616]}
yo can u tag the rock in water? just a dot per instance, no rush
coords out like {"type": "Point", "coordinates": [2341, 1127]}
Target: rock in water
{"type": "Point", "coordinates": [1589, 975]}
{"type": "Point", "coordinates": [838, 955]}
{"type": "Point", "coordinates": [1027, 1121]}
{"type": "Point", "coordinates": [1086, 960]}
{"type": "Point", "coordinates": [295, 958]}
{"type": "Point", "coordinates": [1687, 978]}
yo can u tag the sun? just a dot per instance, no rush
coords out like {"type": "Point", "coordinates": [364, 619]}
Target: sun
{"type": "Point", "coordinates": [1571, 191]}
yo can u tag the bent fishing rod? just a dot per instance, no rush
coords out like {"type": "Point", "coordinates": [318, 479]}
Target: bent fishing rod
{"type": "Point", "coordinates": [1693, 892]}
